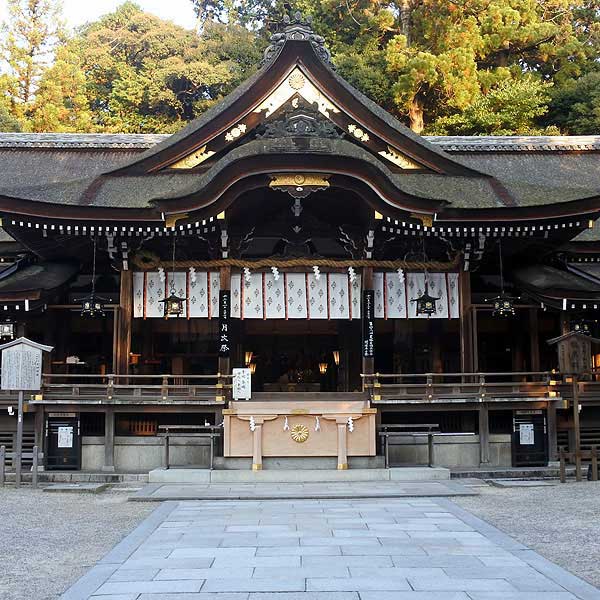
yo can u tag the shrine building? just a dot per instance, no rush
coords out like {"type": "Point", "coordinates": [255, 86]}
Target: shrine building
{"type": "Point", "coordinates": [389, 299]}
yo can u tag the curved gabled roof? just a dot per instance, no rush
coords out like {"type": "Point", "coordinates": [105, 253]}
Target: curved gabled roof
{"type": "Point", "coordinates": [222, 153]}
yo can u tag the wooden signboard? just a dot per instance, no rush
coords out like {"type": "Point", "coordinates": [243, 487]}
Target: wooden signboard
{"type": "Point", "coordinates": [22, 365]}
{"type": "Point", "coordinates": [21, 370]}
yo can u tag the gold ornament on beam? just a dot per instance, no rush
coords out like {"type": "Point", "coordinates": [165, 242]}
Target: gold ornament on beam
{"type": "Point", "coordinates": [193, 160]}
{"type": "Point", "coordinates": [426, 220]}
{"type": "Point", "coordinates": [299, 185]}
{"type": "Point", "coordinates": [236, 132]}
{"type": "Point", "coordinates": [299, 433]}
{"type": "Point", "coordinates": [399, 159]}
{"type": "Point", "coordinates": [358, 133]}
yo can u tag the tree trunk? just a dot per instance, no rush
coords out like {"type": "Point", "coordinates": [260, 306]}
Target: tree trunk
{"type": "Point", "coordinates": [405, 10]}
{"type": "Point", "coordinates": [415, 114]}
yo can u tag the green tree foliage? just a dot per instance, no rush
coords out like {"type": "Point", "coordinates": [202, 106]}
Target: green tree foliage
{"type": "Point", "coordinates": [8, 122]}
{"type": "Point", "coordinates": [144, 74]}
{"type": "Point", "coordinates": [454, 53]}
{"type": "Point", "coordinates": [508, 109]}
{"type": "Point", "coordinates": [29, 37]}
{"type": "Point", "coordinates": [61, 102]}
{"type": "Point", "coordinates": [256, 15]}
{"type": "Point", "coordinates": [575, 107]}
{"type": "Point", "coordinates": [444, 66]}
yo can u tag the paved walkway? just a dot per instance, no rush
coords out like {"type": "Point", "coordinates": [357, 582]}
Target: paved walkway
{"type": "Point", "coordinates": [154, 492]}
{"type": "Point", "coordinates": [363, 549]}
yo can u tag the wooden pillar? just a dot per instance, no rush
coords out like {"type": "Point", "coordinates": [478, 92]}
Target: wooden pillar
{"type": "Point", "coordinates": [109, 440]}
{"type": "Point", "coordinates": [38, 424]}
{"type": "Point", "coordinates": [368, 363]}
{"type": "Point", "coordinates": [437, 364]}
{"type": "Point", "coordinates": [342, 440]}
{"type": "Point", "coordinates": [125, 316]}
{"type": "Point", "coordinates": [552, 432]}
{"type": "Point", "coordinates": [466, 324]}
{"type": "Point", "coordinates": [484, 435]}
{"type": "Point", "coordinates": [576, 430]}
{"type": "Point", "coordinates": [565, 322]}
{"type": "Point", "coordinates": [534, 339]}
{"type": "Point", "coordinates": [257, 447]}
{"type": "Point", "coordinates": [474, 340]}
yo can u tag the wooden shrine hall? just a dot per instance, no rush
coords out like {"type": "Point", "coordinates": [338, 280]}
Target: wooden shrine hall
{"type": "Point", "coordinates": [296, 276]}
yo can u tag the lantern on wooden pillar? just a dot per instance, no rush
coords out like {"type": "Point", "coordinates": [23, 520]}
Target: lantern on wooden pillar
{"type": "Point", "coordinates": [252, 367]}
{"type": "Point", "coordinates": [336, 357]}
{"type": "Point", "coordinates": [92, 305]}
{"type": "Point", "coordinates": [248, 357]}
{"type": "Point", "coordinates": [173, 304]}
{"type": "Point", "coordinates": [323, 368]}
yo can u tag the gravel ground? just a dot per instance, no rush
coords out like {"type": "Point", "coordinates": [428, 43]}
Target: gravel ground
{"type": "Point", "coordinates": [48, 540]}
{"type": "Point", "coordinates": [561, 522]}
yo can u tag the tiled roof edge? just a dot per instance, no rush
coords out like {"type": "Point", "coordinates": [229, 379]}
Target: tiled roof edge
{"type": "Point", "coordinates": [506, 143]}
{"type": "Point", "coordinates": [449, 143]}
{"type": "Point", "coordinates": [81, 140]}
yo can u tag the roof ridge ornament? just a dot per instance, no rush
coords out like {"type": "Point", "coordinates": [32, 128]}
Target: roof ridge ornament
{"type": "Point", "coordinates": [296, 28]}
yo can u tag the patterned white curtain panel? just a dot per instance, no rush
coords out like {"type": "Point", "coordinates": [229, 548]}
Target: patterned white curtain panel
{"type": "Point", "coordinates": [395, 295]}
{"type": "Point", "coordinates": [295, 295]}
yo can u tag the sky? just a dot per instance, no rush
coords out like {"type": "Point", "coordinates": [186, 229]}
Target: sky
{"type": "Point", "coordinates": [77, 12]}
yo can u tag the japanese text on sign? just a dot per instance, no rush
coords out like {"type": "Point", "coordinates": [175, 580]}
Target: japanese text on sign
{"type": "Point", "coordinates": [242, 384]}
{"type": "Point", "coordinates": [368, 323]}
{"type": "Point", "coordinates": [224, 333]}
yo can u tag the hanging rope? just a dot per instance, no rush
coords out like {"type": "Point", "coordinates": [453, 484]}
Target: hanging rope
{"type": "Point", "coordinates": [267, 263]}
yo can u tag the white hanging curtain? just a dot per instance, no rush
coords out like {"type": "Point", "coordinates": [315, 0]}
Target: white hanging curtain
{"type": "Point", "coordinates": [296, 295]}
{"type": "Point", "coordinates": [394, 295]}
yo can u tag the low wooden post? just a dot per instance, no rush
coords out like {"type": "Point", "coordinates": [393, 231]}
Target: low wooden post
{"type": "Point", "coordinates": [563, 473]}
{"type": "Point", "coordinates": [577, 431]}
{"type": "Point", "coordinates": [430, 448]}
{"type": "Point", "coordinates": [2, 465]}
{"type": "Point", "coordinates": [34, 468]}
{"type": "Point", "coordinates": [167, 449]}
{"type": "Point", "coordinates": [594, 453]}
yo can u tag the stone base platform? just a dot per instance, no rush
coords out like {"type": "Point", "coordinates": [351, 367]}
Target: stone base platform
{"type": "Point", "coordinates": [304, 463]}
{"type": "Point", "coordinates": [203, 476]}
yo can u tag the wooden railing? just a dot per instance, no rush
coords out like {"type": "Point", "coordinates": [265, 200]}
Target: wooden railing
{"type": "Point", "coordinates": [130, 389]}
{"type": "Point", "coordinates": [407, 388]}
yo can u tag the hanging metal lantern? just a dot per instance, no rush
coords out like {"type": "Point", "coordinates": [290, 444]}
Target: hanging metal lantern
{"type": "Point", "coordinates": [323, 368]}
{"type": "Point", "coordinates": [93, 306]}
{"type": "Point", "coordinates": [426, 304]}
{"type": "Point", "coordinates": [504, 305]}
{"type": "Point", "coordinates": [173, 305]}
{"type": "Point", "coordinates": [581, 326]}
{"type": "Point", "coordinates": [7, 330]}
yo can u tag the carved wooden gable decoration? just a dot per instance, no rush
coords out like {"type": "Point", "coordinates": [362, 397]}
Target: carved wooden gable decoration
{"type": "Point", "coordinates": [297, 94]}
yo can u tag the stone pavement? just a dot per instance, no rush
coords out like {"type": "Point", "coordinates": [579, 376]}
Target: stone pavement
{"type": "Point", "coordinates": [361, 549]}
{"type": "Point", "coordinates": [154, 492]}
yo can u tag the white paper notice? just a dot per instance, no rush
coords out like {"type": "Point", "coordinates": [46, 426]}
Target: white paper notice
{"type": "Point", "coordinates": [242, 384]}
{"type": "Point", "coordinates": [65, 437]}
{"type": "Point", "coordinates": [526, 437]}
